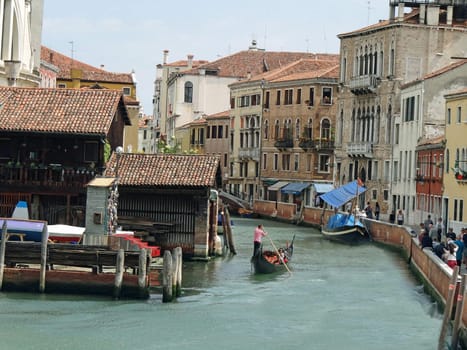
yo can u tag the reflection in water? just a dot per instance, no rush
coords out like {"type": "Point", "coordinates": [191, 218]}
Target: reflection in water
{"type": "Point", "coordinates": [337, 297]}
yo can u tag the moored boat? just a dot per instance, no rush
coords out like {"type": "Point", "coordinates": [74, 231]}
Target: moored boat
{"type": "Point", "coordinates": [65, 233]}
{"type": "Point", "coordinates": [345, 227]}
{"type": "Point", "coordinates": [268, 261]}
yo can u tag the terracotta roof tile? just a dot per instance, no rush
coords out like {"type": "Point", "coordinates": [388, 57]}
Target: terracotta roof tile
{"type": "Point", "coordinates": [90, 73]}
{"type": "Point", "coordinates": [252, 63]}
{"type": "Point", "coordinates": [58, 110]}
{"type": "Point", "coordinates": [164, 170]}
{"type": "Point", "coordinates": [220, 115]}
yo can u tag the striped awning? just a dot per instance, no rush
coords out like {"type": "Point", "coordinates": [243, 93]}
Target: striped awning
{"type": "Point", "coordinates": [277, 186]}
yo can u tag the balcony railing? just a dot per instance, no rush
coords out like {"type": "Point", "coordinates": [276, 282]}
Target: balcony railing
{"type": "Point", "coordinates": [365, 84]}
{"type": "Point", "coordinates": [283, 143]}
{"type": "Point", "coordinates": [318, 144]}
{"type": "Point", "coordinates": [51, 177]}
{"type": "Point", "coordinates": [249, 153]}
{"type": "Point", "coordinates": [360, 149]}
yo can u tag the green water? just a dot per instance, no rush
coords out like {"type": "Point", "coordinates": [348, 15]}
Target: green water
{"type": "Point", "coordinates": [338, 297]}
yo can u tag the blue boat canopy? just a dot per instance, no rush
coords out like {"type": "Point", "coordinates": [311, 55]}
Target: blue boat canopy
{"type": "Point", "coordinates": [343, 194]}
{"type": "Point", "coordinates": [295, 187]}
{"type": "Point", "coordinates": [323, 188]}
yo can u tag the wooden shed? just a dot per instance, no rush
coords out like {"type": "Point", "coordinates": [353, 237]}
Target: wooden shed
{"type": "Point", "coordinates": [171, 197]}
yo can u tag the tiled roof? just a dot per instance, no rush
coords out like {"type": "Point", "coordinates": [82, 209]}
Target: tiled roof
{"type": "Point", "coordinates": [301, 69]}
{"type": "Point", "coordinates": [220, 115]}
{"type": "Point", "coordinates": [90, 73]}
{"type": "Point", "coordinates": [252, 63]}
{"type": "Point", "coordinates": [184, 63]}
{"type": "Point", "coordinates": [65, 111]}
{"type": "Point", "coordinates": [164, 170]}
{"type": "Point", "coordinates": [458, 92]}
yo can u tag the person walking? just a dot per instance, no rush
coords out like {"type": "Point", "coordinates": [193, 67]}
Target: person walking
{"type": "Point", "coordinates": [428, 221]}
{"type": "Point", "coordinates": [400, 217]}
{"type": "Point", "coordinates": [258, 236]}
{"type": "Point", "coordinates": [377, 211]}
{"type": "Point", "coordinates": [369, 211]}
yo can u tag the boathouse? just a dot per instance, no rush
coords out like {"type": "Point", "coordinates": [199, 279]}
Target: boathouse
{"type": "Point", "coordinates": [52, 143]}
{"type": "Point", "coordinates": [171, 199]}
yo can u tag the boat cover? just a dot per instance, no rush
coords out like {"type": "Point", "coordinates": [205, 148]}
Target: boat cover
{"type": "Point", "coordinates": [341, 220]}
{"type": "Point", "coordinates": [323, 188]}
{"type": "Point", "coordinates": [343, 194]}
{"type": "Point", "coordinates": [22, 226]}
{"type": "Point", "coordinates": [295, 187]}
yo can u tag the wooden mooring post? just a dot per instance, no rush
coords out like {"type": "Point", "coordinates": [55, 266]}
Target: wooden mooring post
{"type": "Point", "coordinates": [458, 316]}
{"type": "Point", "coordinates": [228, 231]}
{"type": "Point", "coordinates": [45, 239]}
{"type": "Point", "coordinates": [119, 270]}
{"type": "Point", "coordinates": [448, 308]}
{"type": "Point", "coordinates": [2, 253]}
{"type": "Point", "coordinates": [172, 275]}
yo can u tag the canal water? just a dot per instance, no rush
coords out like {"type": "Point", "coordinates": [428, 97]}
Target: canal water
{"type": "Point", "coordinates": [337, 297]}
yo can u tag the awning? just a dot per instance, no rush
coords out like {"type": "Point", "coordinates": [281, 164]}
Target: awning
{"type": "Point", "coordinates": [323, 188]}
{"type": "Point", "coordinates": [295, 187]}
{"type": "Point", "coordinates": [269, 182]}
{"type": "Point", "coordinates": [277, 186]}
{"type": "Point", "coordinates": [343, 194]}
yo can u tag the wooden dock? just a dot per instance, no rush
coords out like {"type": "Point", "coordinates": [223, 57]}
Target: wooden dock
{"type": "Point", "coordinates": [74, 269]}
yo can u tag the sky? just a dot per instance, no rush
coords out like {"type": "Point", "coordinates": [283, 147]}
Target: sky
{"type": "Point", "coordinates": [126, 36]}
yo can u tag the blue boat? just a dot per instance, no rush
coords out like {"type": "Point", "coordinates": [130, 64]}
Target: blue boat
{"type": "Point", "coordinates": [23, 230]}
{"type": "Point", "coordinates": [344, 227]}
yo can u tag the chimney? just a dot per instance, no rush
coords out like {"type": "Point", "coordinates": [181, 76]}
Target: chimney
{"type": "Point", "coordinates": [253, 46]}
{"type": "Point", "coordinates": [166, 54]}
{"type": "Point", "coordinates": [189, 61]}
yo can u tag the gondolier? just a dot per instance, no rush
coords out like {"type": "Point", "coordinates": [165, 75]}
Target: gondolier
{"type": "Point", "coordinates": [258, 235]}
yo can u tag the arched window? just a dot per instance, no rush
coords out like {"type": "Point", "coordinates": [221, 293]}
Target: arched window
{"type": "Point", "coordinates": [276, 130]}
{"type": "Point", "coordinates": [297, 129]}
{"type": "Point", "coordinates": [447, 161]}
{"type": "Point", "coordinates": [266, 129]}
{"type": "Point", "coordinates": [287, 129]}
{"type": "Point", "coordinates": [325, 129]}
{"type": "Point", "coordinates": [188, 92]}
{"type": "Point", "coordinates": [309, 129]}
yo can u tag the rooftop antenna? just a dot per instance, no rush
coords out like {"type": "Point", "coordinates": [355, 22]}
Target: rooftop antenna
{"type": "Point", "coordinates": [72, 43]}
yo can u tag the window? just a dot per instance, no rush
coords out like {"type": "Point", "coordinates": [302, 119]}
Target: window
{"type": "Point", "coordinates": [299, 96]}
{"type": "Point", "coordinates": [214, 132]}
{"type": "Point", "coordinates": [266, 103]}
{"type": "Point", "coordinates": [255, 100]}
{"type": "Point", "coordinates": [91, 150]}
{"type": "Point", "coordinates": [324, 163]}
{"type": "Point", "coordinates": [286, 162]}
{"type": "Point", "coordinates": [276, 130]}
{"type": "Point", "coordinates": [459, 114]}
{"type": "Point", "coordinates": [219, 132]}
{"type": "Point", "coordinates": [311, 100]}
{"type": "Point", "coordinates": [288, 96]}
{"type": "Point", "coordinates": [448, 117]}
{"type": "Point", "coordinates": [447, 161]}
{"type": "Point", "coordinates": [396, 134]}
{"type": "Point", "coordinates": [375, 170]}
{"type": "Point", "coordinates": [188, 92]}
{"type": "Point", "coordinates": [232, 103]}
{"type": "Point", "coordinates": [201, 136]}
{"type": "Point", "coordinates": [244, 101]}
{"type": "Point", "coordinates": [325, 129]}
{"type": "Point", "coordinates": [265, 159]}
{"type": "Point", "coordinates": [278, 98]}
{"type": "Point", "coordinates": [297, 129]}
{"type": "Point", "coordinates": [266, 130]}
{"type": "Point", "coordinates": [309, 129]}
{"type": "Point", "coordinates": [374, 195]}
{"type": "Point", "coordinates": [296, 162]}
{"type": "Point", "coordinates": [126, 91]}
{"type": "Point", "coordinates": [386, 195]}
{"type": "Point", "coordinates": [309, 162]}
{"type": "Point", "coordinates": [327, 96]}
{"type": "Point", "coordinates": [276, 161]}
{"type": "Point", "coordinates": [62, 86]}
{"type": "Point", "coordinates": [226, 157]}
{"type": "Point", "coordinates": [409, 109]}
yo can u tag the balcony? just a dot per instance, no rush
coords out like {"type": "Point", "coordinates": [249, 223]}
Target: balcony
{"type": "Point", "coordinates": [249, 153]}
{"type": "Point", "coordinates": [365, 84]}
{"type": "Point", "coordinates": [461, 176]}
{"type": "Point", "coordinates": [283, 143]}
{"type": "Point", "coordinates": [51, 178]}
{"type": "Point", "coordinates": [316, 144]}
{"type": "Point", "coordinates": [360, 149]}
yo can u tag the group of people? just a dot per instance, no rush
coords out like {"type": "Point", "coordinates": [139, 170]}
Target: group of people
{"type": "Point", "coordinates": [369, 211]}
{"type": "Point", "coordinates": [449, 247]}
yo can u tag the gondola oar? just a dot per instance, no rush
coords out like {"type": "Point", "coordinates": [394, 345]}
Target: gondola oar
{"type": "Point", "coordinates": [280, 257]}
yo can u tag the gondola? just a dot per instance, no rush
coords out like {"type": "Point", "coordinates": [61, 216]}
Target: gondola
{"type": "Point", "coordinates": [261, 260]}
